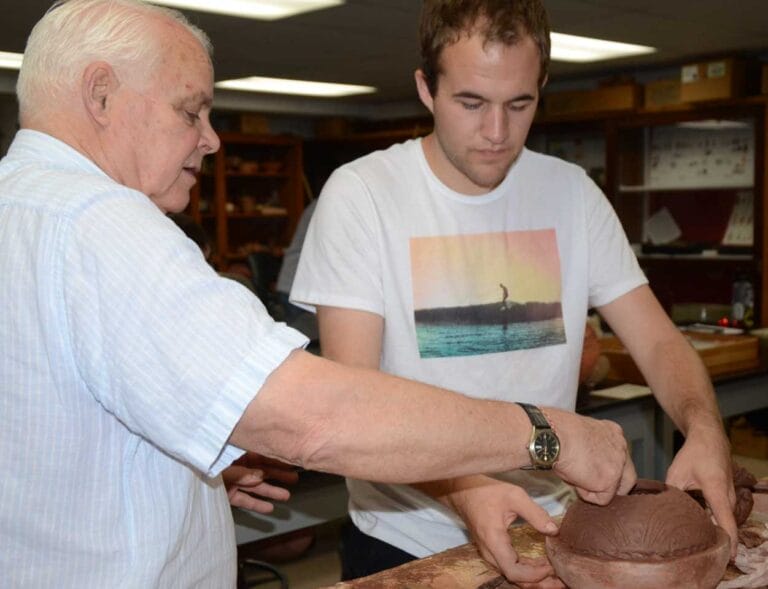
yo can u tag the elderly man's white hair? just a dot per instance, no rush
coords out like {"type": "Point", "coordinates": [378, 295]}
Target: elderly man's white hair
{"type": "Point", "coordinates": [74, 33]}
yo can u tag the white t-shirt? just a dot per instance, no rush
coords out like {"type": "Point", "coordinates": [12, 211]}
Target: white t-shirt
{"type": "Point", "coordinates": [485, 295]}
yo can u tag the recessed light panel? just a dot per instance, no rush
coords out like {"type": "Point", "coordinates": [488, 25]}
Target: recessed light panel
{"type": "Point", "coordinates": [260, 9]}
{"type": "Point", "coordinates": [585, 49]}
{"type": "Point", "coordinates": [10, 61]}
{"type": "Point", "coordinates": [300, 87]}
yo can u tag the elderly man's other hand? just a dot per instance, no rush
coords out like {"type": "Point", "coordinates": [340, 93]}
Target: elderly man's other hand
{"type": "Point", "coordinates": [594, 457]}
{"type": "Point", "coordinates": [247, 477]}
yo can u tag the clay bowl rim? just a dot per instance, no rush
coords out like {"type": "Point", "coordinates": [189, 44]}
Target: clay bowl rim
{"type": "Point", "coordinates": [634, 573]}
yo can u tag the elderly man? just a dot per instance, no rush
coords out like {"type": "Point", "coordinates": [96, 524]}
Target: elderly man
{"type": "Point", "coordinates": [132, 375]}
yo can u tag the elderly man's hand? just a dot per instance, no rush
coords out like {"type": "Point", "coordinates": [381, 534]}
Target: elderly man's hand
{"type": "Point", "coordinates": [246, 478]}
{"type": "Point", "coordinates": [594, 457]}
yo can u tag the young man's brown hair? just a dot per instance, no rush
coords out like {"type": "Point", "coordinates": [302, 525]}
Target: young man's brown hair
{"type": "Point", "coordinates": [443, 22]}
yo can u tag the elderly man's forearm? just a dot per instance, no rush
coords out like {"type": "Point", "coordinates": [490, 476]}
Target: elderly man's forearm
{"type": "Point", "coordinates": [366, 424]}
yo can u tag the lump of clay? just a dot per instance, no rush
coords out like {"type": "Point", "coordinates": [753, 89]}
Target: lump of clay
{"type": "Point", "coordinates": [743, 482]}
{"type": "Point", "coordinates": [657, 536]}
{"type": "Point", "coordinates": [651, 523]}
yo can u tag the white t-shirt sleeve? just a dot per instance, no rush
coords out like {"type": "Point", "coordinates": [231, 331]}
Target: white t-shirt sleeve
{"type": "Point", "coordinates": [613, 267]}
{"type": "Point", "coordinates": [171, 349]}
{"type": "Point", "coordinates": [340, 263]}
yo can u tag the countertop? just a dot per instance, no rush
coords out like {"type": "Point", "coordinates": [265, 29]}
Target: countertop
{"type": "Point", "coordinates": [462, 567]}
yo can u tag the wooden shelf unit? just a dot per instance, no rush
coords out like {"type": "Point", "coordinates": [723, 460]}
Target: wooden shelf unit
{"type": "Point", "coordinates": [682, 278]}
{"type": "Point", "coordinates": [250, 195]}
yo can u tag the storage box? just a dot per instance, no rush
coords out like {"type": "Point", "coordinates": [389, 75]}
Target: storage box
{"type": "Point", "coordinates": [332, 127]}
{"type": "Point", "coordinates": [764, 87]}
{"type": "Point", "coordinates": [746, 440]}
{"type": "Point", "coordinates": [713, 80]}
{"type": "Point", "coordinates": [661, 94]}
{"type": "Point", "coordinates": [608, 98]}
{"type": "Point", "coordinates": [254, 124]}
{"type": "Point", "coordinates": [721, 354]}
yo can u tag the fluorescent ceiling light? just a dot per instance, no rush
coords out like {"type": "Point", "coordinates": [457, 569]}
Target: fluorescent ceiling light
{"type": "Point", "coordinates": [584, 49]}
{"type": "Point", "coordinates": [10, 61]}
{"type": "Point", "coordinates": [281, 86]}
{"type": "Point", "coordinates": [261, 9]}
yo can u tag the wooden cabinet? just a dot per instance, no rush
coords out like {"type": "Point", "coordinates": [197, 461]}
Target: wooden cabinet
{"type": "Point", "coordinates": [689, 186]}
{"type": "Point", "coordinates": [250, 195]}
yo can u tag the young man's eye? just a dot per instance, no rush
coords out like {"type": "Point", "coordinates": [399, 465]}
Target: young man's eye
{"type": "Point", "coordinates": [471, 105]}
{"type": "Point", "coordinates": [519, 106]}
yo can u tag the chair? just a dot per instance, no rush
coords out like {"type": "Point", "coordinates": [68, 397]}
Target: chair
{"type": "Point", "coordinates": [264, 267]}
{"type": "Point", "coordinates": [274, 574]}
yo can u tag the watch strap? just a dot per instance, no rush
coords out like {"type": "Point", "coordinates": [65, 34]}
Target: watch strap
{"type": "Point", "coordinates": [535, 415]}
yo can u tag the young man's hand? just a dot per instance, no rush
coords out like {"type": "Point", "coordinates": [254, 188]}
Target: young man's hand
{"type": "Point", "coordinates": [488, 507]}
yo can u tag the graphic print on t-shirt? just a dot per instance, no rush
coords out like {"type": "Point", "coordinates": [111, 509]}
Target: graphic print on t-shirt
{"type": "Point", "coordinates": [486, 293]}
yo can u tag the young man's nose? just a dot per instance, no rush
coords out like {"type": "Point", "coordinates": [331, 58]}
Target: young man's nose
{"type": "Point", "coordinates": [496, 125]}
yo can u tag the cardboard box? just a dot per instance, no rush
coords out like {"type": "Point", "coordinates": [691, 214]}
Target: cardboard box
{"type": "Point", "coordinates": [332, 127]}
{"type": "Point", "coordinates": [721, 355]}
{"type": "Point", "coordinates": [661, 94]}
{"type": "Point", "coordinates": [764, 87]}
{"type": "Point", "coordinates": [606, 99]}
{"type": "Point", "coordinates": [254, 124]}
{"type": "Point", "coordinates": [713, 80]}
{"type": "Point", "coordinates": [746, 440]}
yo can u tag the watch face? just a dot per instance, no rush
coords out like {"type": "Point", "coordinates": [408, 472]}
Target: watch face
{"type": "Point", "coordinates": [547, 447]}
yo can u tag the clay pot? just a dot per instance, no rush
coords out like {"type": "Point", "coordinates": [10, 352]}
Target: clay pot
{"type": "Point", "coordinates": [657, 536]}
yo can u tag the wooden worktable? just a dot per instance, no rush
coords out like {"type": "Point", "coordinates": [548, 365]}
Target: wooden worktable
{"type": "Point", "coordinates": [462, 567]}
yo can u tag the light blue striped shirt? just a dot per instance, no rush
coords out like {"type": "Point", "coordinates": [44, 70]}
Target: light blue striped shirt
{"type": "Point", "coordinates": [125, 363]}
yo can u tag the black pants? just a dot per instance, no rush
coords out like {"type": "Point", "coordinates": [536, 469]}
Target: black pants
{"type": "Point", "coordinates": [362, 555]}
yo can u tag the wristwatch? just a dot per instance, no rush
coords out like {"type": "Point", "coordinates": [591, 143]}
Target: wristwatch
{"type": "Point", "coordinates": [544, 445]}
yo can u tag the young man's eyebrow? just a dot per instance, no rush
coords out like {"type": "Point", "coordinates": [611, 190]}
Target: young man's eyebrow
{"type": "Point", "coordinates": [469, 95]}
{"type": "Point", "coordinates": [472, 96]}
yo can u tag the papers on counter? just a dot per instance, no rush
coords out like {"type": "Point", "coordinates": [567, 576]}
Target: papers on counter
{"type": "Point", "coordinates": [623, 391]}
{"type": "Point", "coordinates": [661, 227]}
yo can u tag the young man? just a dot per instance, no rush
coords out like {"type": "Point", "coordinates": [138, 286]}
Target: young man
{"type": "Point", "coordinates": [405, 257]}
{"type": "Point", "coordinates": [131, 374]}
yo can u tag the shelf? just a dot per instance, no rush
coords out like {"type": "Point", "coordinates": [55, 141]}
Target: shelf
{"type": "Point", "coordinates": [631, 188]}
{"type": "Point", "coordinates": [258, 215]}
{"type": "Point", "coordinates": [263, 175]}
{"type": "Point", "coordinates": [698, 257]}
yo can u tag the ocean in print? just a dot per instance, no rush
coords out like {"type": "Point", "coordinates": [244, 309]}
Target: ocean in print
{"type": "Point", "coordinates": [438, 338]}
{"type": "Point", "coordinates": [486, 293]}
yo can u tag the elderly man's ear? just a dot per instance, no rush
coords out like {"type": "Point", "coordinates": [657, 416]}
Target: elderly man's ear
{"type": "Point", "coordinates": [99, 84]}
